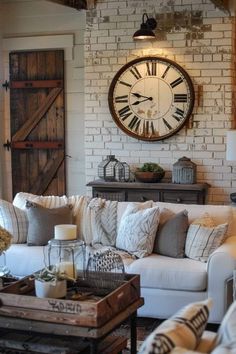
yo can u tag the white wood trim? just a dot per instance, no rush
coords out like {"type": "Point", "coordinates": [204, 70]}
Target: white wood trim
{"type": "Point", "coordinates": [65, 42]}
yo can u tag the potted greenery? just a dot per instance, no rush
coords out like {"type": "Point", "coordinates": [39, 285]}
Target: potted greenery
{"type": "Point", "coordinates": [149, 172]}
{"type": "Point", "coordinates": [49, 282]}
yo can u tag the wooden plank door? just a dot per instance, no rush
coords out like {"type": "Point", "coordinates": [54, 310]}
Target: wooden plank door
{"type": "Point", "coordinates": [37, 122]}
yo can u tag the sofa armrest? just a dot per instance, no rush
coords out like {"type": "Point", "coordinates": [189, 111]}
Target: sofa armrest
{"type": "Point", "coordinates": [220, 266]}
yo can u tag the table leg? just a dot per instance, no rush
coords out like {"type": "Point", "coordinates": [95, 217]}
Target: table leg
{"type": "Point", "coordinates": [94, 346]}
{"type": "Point", "coordinates": [133, 333]}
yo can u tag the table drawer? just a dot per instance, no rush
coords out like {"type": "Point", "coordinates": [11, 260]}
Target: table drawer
{"type": "Point", "coordinates": [143, 196]}
{"type": "Point", "coordinates": [177, 197]}
{"type": "Point", "coordinates": [110, 194]}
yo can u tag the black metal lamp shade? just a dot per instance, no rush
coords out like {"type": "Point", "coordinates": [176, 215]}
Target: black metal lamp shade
{"type": "Point", "coordinates": [146, 28]}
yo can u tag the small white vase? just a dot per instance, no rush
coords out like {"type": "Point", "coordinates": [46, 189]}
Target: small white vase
{"type": "Point", "coordinates": [49, 289]}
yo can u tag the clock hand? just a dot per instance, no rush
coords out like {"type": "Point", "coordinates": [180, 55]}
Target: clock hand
{"type": "Point", "coordinates": [146, 99]}
{"type": "Point", "coordinates": [138, 95]}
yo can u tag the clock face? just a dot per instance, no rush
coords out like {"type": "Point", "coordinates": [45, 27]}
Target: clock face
{"type": "Point", "coordinates": [151, 98]}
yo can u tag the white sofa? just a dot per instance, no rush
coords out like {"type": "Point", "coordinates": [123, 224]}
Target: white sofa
{"type": "Point", "coordinates": [167, 284]}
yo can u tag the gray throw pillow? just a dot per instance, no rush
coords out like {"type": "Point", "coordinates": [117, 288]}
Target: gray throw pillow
{"type": "Point", "coordinates": [171, 236]}
{"type": "Point", "coordinates": [42, 221]}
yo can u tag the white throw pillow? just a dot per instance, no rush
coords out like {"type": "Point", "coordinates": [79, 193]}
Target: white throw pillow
{"type": "Point", "coordinates": [14, 220]}
{"type": "Point", "coordinates": [182, 330]}
{"type": "Point", "coordinates": [201, 241]}
{"type": "Point", "coordinates": [137, 230]}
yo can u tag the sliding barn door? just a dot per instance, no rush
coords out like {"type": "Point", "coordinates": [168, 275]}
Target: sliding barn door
{"type": "Point", "coordinates": [37, 122]}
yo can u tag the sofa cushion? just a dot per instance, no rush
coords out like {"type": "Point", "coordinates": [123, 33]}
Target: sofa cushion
{"type": "Point", "coordinates": [229, 348]}
{"type": "Point", "coordinates": [204, 220]}
{"type": "Point", "coordinates": [171, 236]}
{"type": "Point", "coordinates": [23, 260]}
{"type": "Point", "coordinates": [201, 241]}
{"type": "Point", "coordinates": [50, 201]}
{"type": "Point", "coordinates": [14, 220]}
{"type": "Point", "coordinates": [137, 230]}
{"type": "Point", "coordinates": [162, 272]}
{"type": "Point", "coordinates": [227, 330]}
{"type": "Point", "coordinates": [42, 221]}
{"type": "Point", "coordinates": [184, 329]}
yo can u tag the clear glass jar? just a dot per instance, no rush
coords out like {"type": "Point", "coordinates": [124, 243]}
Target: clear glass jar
{"type": "Point", "coordinates": [68, 256]}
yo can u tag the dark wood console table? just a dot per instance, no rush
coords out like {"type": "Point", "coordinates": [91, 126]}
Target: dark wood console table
{"type": "Point", "coordinates": [139, 192]}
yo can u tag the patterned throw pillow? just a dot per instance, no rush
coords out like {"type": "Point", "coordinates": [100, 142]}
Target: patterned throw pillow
{"type": "Point", "coordinates": [171, 236]}
{"type": "Point", "coordinates": [137, 230]}
{"type": "Point", "coordinates": [201, 241]}
{"type": "Point", "coordinates": [14, 220]}
{"type": "Point", "coordinates": [42, 221]}
{"type": "Point", "coordinates": [183, 330]}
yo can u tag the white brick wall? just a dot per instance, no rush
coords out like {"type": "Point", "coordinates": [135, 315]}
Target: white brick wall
{"type": "Point", "coordinates": [206, 53]}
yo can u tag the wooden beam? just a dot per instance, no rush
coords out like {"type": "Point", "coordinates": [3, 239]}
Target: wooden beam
{"type": "Point", "coordinates": [76, 4]}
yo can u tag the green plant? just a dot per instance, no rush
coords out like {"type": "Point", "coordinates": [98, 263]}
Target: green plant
{"type": "Point", "coordinates": [150, 167]}
{"type": "Point", "coordinates": [51, 274]}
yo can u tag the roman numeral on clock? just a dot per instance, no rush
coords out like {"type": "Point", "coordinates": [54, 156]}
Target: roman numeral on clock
{"type": "Point", "coordinates": [136, 73]}
{"type": "Point", "coordinates": [134, 123]}
{"type": "Point", "coordinates": [165, 72]}
{"type": "Point", "coordinates": [119, 99]}
{"type": "Point", "coordinates": [151, 68]}
{"type": "Point", "coordinates": [180, 97]}
{"type": "Point", "coordinates": [167, 124]}
{"type": "Point", "coordinates": [178, 115]}
{"type": "Point", "coordinates": [125, 83]}
{"type": "Point", "coordinates": [124, 112]}
{"type": "Point", "coordinates": [176, 82]}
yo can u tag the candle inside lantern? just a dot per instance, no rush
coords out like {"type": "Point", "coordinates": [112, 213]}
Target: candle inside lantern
{"type": "Point", "coordinates": [68, 268]}
{"type": "Point", "coordinates": [65, 232]}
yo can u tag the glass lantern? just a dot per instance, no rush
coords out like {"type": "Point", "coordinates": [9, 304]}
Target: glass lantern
{"type": "Point", "coordinates": [68, 256]}
{"type": "Point", "coordinates": [106, 169]}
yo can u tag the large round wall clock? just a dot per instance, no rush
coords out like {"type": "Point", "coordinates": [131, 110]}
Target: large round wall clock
{"type": "Point", "coordinates": [151, 98]}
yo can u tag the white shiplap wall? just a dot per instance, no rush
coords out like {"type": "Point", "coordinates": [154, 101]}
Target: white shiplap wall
{"type": "Point", "coordinates": [41, 19]}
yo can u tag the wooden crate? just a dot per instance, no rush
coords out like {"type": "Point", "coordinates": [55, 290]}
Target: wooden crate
{"type": "Point", "coordinates": [12, 341]}
{"type": "Point", "coordinates": [18, 300]}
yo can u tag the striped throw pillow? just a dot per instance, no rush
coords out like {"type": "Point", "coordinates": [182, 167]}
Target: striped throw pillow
{"type": "Point", "coordinates": [182, 330]}
{"type": "Point", "coordinates": [201, 241]}
{"type": "Point", "coordinates": [14, 220]}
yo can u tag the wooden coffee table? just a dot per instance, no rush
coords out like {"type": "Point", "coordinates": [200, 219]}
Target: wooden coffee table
{"type": "Point", "coordinates": [93, 318]}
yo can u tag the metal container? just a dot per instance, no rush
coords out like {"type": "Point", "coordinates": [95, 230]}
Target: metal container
{"type": "Point", "coordinates": [184, 171]}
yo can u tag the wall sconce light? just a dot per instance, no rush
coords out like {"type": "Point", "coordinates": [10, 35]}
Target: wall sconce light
{"type": "Point", "coordinates": [146, 28]}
